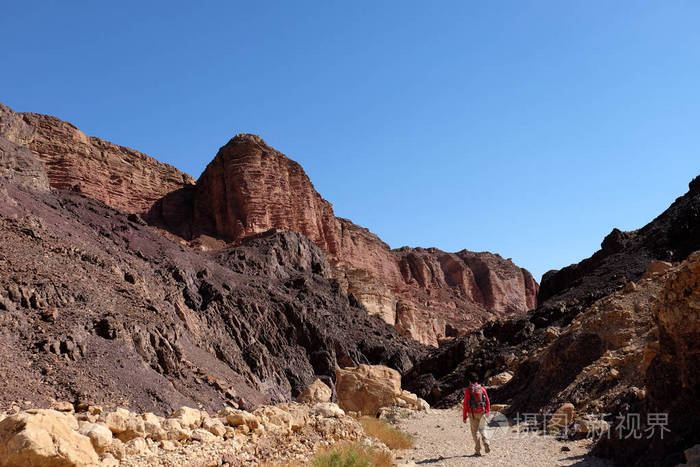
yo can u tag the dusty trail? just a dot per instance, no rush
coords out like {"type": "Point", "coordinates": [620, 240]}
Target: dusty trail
{"type": "Point", "coordinates": [442, 440]}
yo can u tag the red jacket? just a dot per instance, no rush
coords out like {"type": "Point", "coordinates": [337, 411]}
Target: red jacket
{"type": "Point", "coordinates": [465, 406]}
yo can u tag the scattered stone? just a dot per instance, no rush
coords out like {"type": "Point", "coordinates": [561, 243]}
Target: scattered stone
{"type": "Point", "coordinates": [188, 417]}
{"type": "Point", "coordinates": [236, 417]}
{"type": "Point", "coordinates": [562, 417]}
{"type": "Point", "coordinates": [100, 436]}
{"type": "Point", "coordinates": [136, 446]}
{"type": "Point", "coordinates": [500, 379]}
{"type": "Point", "coordinates": [327, 410]}
{"type": "Point", "coordinates": [317, 391]}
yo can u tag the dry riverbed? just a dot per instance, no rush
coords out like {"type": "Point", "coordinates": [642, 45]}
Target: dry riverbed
{"type": "Point", "coordinates": [442, 440]}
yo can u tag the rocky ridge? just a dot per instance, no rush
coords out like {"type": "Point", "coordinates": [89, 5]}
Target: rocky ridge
{"type": "Point", "coordinates": [250, 188]}
{"type": "Point", "coordinates": [427, 294]}
{"type": "Point", "coordinates": [603, 345]}
{"type": "Point", "coordinates": [120, 177]}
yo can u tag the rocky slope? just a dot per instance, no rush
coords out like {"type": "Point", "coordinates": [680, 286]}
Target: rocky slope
{"type": "Point", "coordinates": [427, 293]}
{"type": "Point", "coordinates": [632, 351]}
{"type": "Point", "coordinates": [505, 343]}
{"type": "Point", "coordinates": [96, 306]}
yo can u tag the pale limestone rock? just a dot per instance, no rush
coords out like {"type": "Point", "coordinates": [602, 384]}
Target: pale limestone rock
{"type": "Point", "coordinates": [500, 379]}
{"type": "Point", "coordinates": [108, 460]}
{"type": "Point", "coordinates": [214, 426]}
{"type": "Point", "coordinates": [168, 445]}
{"type": "Point", "coordinates": [173, 430]}
{"type": "Point", "coordinates": [367, 388]}
{"type": "Point", "coordinates": [63, 406]}
{"type": "Point", "coordinates": [317, 391]}
{"type": "Point", "coordinates": [188, 417]}
{"type": "Point", "coordinates": [235, 417]}
{"type": "Point", "coordinates": [203, 436]}
{"type": "Point", "coordinates": [43, 438]}
{"type": "Point", "coordinates": [562, 417]}
{"type": "Point", "coordinates": [327, 410]}
{"type": "Point", "coordinates": [125, 424]}
{"type": "Point", "coordinates": [100, 436]}
{"type": "Point", "coordinates": [136, 446]}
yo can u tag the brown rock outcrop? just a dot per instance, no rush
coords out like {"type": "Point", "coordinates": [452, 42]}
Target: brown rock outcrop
{"type": "Point", "coordinates": [120, 177]}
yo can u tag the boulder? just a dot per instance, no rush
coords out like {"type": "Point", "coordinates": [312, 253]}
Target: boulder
{"type": "Point", "coordinates": [410, 399]}
{"type": "Point", "coordinates": [136, 446]}
{"type": "Point", "coordinates": [299, 414]}
{"type": "Point", "coordinates": [656, 267]}
{"type": "Point", "coordinates": [63, 406]}
{"type": "Point", "coordinates": [43, 438]}
{"type": "Point", "coordinates": [236, 417]}
{"type": "Point", "coordinates": [203, 436]}
{"type": "Point", "coordinates": [591, 427]}
{"type": "Point", "coordinates": [327, 410]}
{"type": "Point", "coordinates": [172, 430]}
{"type": "Point", "coordinates": [317, 391]}
{"type": "Point", "coordinates": [500, 379]}
{"type": "Point", "coordinates": [271, 415]}
{"type": "Point", "coordinates": [188, 417]}
{"type": "Point", "coordinates": [124, 424]}
{"type": "Point", "coordinates": [692, 456]}
{"type": "Point", "coordinates": [214, 426]}
{"type": "Point", "coordinates": [152, 425]}
{"type": "Point", "coordinates": [100, 436]}
{"type": "Point", "coordinates": [367, 388]}
{"type": "Point", "coordinates": [562, 417]}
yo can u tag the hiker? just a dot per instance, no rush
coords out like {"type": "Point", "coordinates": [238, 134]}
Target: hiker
{"type": "Point", "coordinates": [477, 407]}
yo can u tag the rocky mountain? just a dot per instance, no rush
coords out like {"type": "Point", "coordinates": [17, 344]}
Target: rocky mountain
{"type": "Point", "coordinates": [97, 307]}
{"type": "Point", "coordinates": [250, 188]}
{"type": "Point", "coordinates": [426, 293]}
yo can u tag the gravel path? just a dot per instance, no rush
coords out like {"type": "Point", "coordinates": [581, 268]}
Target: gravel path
{"type": "Point", "coordinates": [442, 440]}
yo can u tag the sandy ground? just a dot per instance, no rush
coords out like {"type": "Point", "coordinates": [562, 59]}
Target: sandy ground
{"type": "Point", "coordinates": [442, 440]}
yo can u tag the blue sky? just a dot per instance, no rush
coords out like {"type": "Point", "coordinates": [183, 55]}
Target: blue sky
{"type": "Point", "coordinates": [529, 129]}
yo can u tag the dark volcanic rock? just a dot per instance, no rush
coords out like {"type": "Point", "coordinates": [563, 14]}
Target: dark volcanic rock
{"type": "Point", "coordinates": [672, 379]}
{"type": "Point", "coordinates": [96, 307]}
{"type": "Point", "coordinates": [624, 256]}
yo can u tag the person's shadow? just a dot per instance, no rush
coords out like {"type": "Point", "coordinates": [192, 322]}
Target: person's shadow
{"type": "Point", "coordinates": [441, 458]}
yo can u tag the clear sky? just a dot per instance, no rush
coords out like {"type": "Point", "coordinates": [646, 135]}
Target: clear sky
{"type": "Point", "coordinates": [526, 128]}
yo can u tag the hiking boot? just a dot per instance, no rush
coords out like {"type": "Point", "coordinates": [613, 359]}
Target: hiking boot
{"type": "Point", "coordinates": [487, 448]}
{"type": "Point", "coordinates": [477, 454]}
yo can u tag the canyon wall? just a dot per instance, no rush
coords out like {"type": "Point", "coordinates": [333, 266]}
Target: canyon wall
{"type": "Point", "coordinates": [426, 293]}
{"type": "Point", "coordinates": [249, 188]}
{"type": "Point", "coordinates": [120, 177]}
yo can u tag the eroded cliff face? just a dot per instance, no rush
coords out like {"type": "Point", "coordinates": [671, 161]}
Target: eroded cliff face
{"type": "Point", "coordinates": [426, 293]}
{"type": "Point", "coordinates": [250, 188]}
{"type": "Point", "coordinates": [120, 177]}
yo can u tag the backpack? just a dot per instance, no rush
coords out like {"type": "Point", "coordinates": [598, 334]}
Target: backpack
{"type": "Point", "coordinates": [477, 397]}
